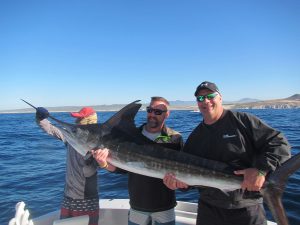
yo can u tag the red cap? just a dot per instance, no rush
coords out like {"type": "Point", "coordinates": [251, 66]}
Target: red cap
{"type": "Point", "coordinates": [84, 112]}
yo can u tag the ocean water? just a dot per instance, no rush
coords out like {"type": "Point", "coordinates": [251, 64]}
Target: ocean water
{"type": "Point", "coordinates": [32, 164]}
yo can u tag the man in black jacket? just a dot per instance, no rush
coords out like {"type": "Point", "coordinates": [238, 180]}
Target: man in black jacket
{"type": "Point", "coordinates": [151, 201]}
{"type": "Point", "coordinates": [244, 142]}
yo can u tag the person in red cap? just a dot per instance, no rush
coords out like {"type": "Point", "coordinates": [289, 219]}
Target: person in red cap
{"type": "Point", "coordinates": [86, 115]}
{"type": "Point", "coordinates": [81, 189]}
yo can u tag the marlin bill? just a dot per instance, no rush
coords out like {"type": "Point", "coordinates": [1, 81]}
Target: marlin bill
{"type": "Point", "coordinates": [131, 151]}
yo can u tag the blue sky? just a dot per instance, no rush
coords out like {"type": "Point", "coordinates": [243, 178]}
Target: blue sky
{"type": "Point", "coordinates": [93, 52]}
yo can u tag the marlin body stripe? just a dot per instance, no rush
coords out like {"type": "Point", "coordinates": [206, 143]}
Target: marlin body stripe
{"type": "Point", "coordinates": [131, 151]}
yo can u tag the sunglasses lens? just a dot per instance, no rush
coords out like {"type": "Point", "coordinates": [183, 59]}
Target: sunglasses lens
{"type": "Point", "coordinates": [149, 110]}
{"type": "Point", "coordinates": [200, 98]}
{"type": "Point", "coordinates": [157, 112]}
{"type": "Point", "coordinates": [211, 96]}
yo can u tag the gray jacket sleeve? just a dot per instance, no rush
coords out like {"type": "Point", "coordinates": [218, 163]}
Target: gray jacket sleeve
{"type": "Point", "coordinates": [50, 129]}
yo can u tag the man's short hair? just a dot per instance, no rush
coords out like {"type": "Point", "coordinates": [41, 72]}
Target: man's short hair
{"type": "Point", "coordinates": [162, 99]}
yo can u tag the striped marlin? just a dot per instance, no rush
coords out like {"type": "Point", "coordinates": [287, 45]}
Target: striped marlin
{"type": "Point", "coordinates": [131, 151]}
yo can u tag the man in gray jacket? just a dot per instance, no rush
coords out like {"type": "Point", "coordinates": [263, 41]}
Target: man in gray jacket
{"type": "Point", "coordinates": [81, 190]}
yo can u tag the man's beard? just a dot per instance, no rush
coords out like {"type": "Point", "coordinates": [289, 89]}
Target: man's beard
{"type": "Point", "coordinates": [152, 122]}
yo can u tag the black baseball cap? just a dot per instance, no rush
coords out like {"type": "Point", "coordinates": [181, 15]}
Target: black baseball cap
{"type": "Point", "coordinates": [207, 85]}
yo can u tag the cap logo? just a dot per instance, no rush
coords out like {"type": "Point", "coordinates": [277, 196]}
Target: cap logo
{"type": "Point", "coordinates": [206, 85]}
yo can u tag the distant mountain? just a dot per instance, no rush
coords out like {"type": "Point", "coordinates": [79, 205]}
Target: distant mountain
{"type": "Point", "coordinates": [247, 100]}
{"type": "Point", "coordinates": [243, 100]}
{"type": "Point", "coordinates": [286, 103]}
{"type": "Point", "coordinates": [294, 97]}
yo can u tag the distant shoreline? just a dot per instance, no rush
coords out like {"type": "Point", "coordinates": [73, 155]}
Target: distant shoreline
{"type": "Point", "coordinates": [182, 108]}
{"type": "Point", "coordinates": [292, 102]}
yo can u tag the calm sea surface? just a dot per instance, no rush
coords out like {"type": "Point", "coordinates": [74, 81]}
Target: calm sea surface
{"type": "Point", "coordinates": [32, 164]}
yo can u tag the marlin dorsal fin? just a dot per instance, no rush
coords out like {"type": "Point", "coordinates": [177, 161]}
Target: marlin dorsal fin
{"type": "Point", "coordinates": [124, 118]}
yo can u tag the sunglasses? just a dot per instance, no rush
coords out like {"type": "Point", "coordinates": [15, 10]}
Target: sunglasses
{"type": "Point", "coordinates": [210, 96]}
{"type": "Point", "coordinates": [156, 111]}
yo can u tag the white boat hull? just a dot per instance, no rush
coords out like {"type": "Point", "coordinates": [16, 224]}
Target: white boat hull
{"type": "Point", "coordinates": [115, 211]}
